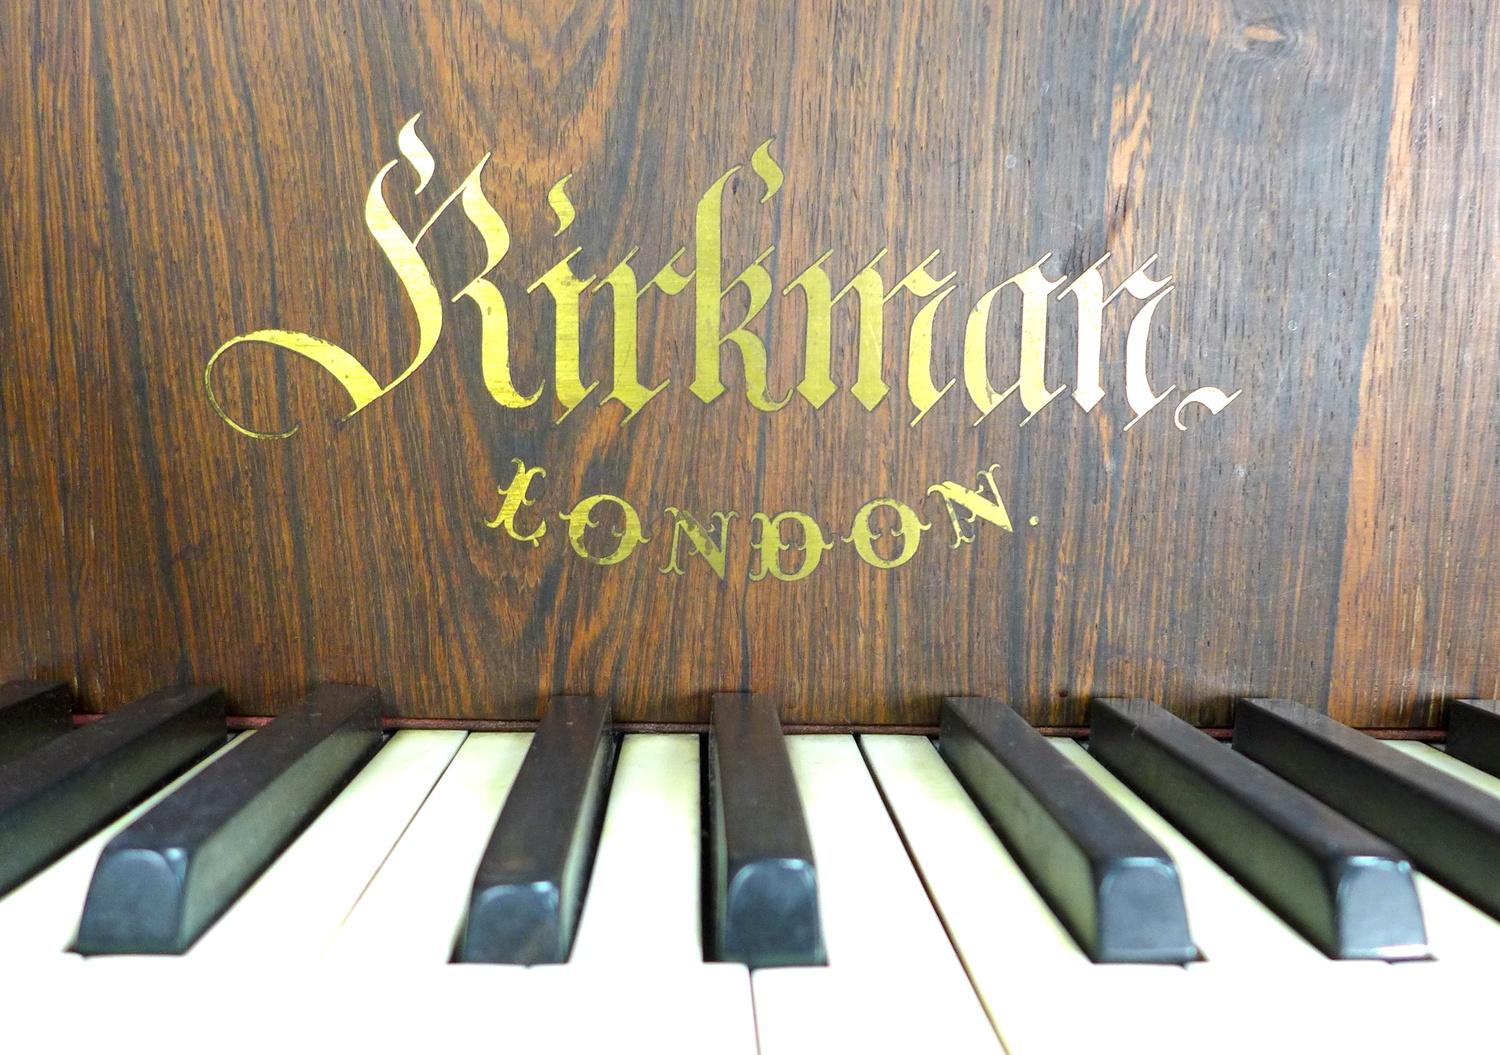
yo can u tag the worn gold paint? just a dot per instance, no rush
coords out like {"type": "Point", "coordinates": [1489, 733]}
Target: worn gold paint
{"type": "Point", "coordinates": [885, 533]}
{"type": "Point", "coordinates": [870, 386]}
{"type": "Point", "coordinates": [580, 518]}
{"type": "Point", "coordinates": [965, 505]}
{"type": "Point", "coordinates": [513, 497]}
{"type": "Point", "coordinates": [710, 545]}
{"type": "Point", "coordinates": [357, 382]}
{"type": "Point", "coordinates": [770, 547]}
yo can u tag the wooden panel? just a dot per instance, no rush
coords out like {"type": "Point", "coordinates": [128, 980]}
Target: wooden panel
{"type": "Point", "coordinates": [1421, 565]}
{"type": "Point", "coordinates": [1312, 176]}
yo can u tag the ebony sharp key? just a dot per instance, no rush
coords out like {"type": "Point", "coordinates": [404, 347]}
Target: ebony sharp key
{"type": "Point", "coordinates": [31, 713]}
{"type": "Point", "coordinates": [1110, 883]}
{"type": "Point", "coordinates": [531, 881]}
{"type": "Point", "coordinates": [763, 882]}
{"type": "Point", "coordinates": [1350, 893]}
{"type": "Point", "coordinates": [1450, 829]}
{"type": "Point", "coordinates": [57, 794]}
{"type": "Point", "coordinates": [162, 881]}
{"type": "Point", "coordinates": [1474, 733]}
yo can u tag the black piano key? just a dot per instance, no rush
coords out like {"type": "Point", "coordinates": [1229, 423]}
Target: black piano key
{"type": "Point", "coordinates": [162, 881]}
{"type": "Point", "coordinates": [530, 885]}
{"type": "Point", "coordinates": [1474, 733]}
{"type": "Point", "coordinates": [1348, 892]}
{"type": "Point", "coordinates": [762, 880]}
{"type": "Point", "coordinates": [58, 794]}
{"type": "Point", "coordinates": [1449, 829]}
{"type": "Point", "coordinates": [1113, 886]}
{"type": "Point", "coordinates": [31, 713]}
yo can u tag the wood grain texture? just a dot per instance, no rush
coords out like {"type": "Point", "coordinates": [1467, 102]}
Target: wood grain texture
{"type": "Point", "coordinates": [1314, 176]}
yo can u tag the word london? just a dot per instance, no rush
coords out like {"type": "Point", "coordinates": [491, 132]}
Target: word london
{"type": "Point", "coordinates": [788, 546]}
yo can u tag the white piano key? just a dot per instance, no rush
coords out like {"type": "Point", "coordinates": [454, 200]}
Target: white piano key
{"type": "Point", "coordinates": [411, 912]}
{"type": "Point", "coordinates": [893, 982]}
{"type": "Point", "coordinates": [637, 963]}
{"type": "Point", "coordinates": [1471, 775]}
{"type": "Point", "coordinates": [1457, 932]}
{"type": "Point", "coordinates": [962, 861]}
{"type": "Point", "coordinates": [643, 896]}
{"type": "Point", "coordinates": [660, 1006]}
{"type": "Point", "coordinates": [299, 903]}
{"type": "Point", "coordinates": [40, 916]}
{"type": "Point", "coordinates": [353, 1005]}
{"type": "Point", "coordinates": [1024, 964]}
{"type": "Point", "coordinates": [400, 934]}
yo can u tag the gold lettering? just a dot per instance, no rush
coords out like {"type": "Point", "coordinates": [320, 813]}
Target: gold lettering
{"type": "Point", "coordinates": [622, 286]}
{"type": "Point", "coordinates": [513, 498]}
{"type": "Point", "coordinates": [767, 170]}
{"type": "Point", "coordinates": [863, 533]}
{"type": "Point", "coordinates": [494, 319]}
{"type": "Point", "coordinates": [919, 385]}
{"type": "Point", "coordinates": [401, 253]}
{"type": "Point", "coordinates": [817, 291]}
{"type": "Point", "coordinates": [1212, 398]}
{"type": "Point", "coordinates": [1137, 386]}
{"type": "Point", "coordinates": [769, 545]}
{"type": "Point", "coordinates": [870, 387]}
{"type": "Point", "coordinates": [705, 544]}
{"type": "Point", "coordinates": [566, 289]}
{"type": "Point", "coordinates": [709, 294]}
{"type": "Point", "coordinates": [580, 519]}
{"type": "Point", "coordinates": [1032, 383]}
{"type": "Point", "coordinates": [712, 334]}
{"type": "Point", "coordinates": [977, 506]}
{"type": "Point", "coordinates": [358, 383]}
{"type": "Point", "coordinates": [1088, 291]}
{"type": "Point", "coordinates": [817, 384]}
{"type": "Point", "coordinates": [561, 205]}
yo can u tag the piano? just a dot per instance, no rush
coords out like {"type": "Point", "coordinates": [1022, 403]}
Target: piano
{"type": "Point", "coordinates": [750, 527]}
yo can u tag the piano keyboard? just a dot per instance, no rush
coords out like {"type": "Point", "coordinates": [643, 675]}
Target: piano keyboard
{"type": "Point", "coordinates": [744, 892]}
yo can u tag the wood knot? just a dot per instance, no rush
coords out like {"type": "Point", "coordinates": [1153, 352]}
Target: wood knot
{"type": "Point", "coordinates": [1266, 37]}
